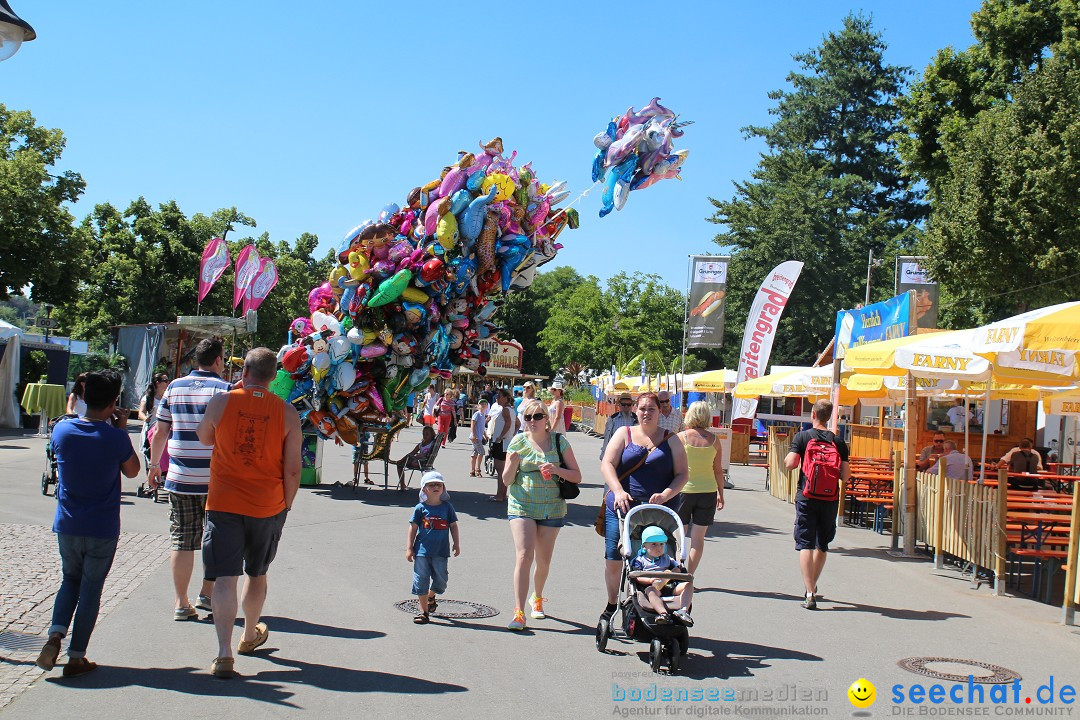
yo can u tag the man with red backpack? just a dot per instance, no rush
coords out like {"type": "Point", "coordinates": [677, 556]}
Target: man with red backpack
{"type": "Point", "coordinates": [822, 459]}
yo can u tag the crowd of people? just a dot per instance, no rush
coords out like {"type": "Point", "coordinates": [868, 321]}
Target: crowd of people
{"type": "Point", "coordinates": [228, 457]}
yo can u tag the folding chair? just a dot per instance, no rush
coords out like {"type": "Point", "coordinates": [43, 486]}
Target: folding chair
{"type": "Point", "coordinates": [428, 464]}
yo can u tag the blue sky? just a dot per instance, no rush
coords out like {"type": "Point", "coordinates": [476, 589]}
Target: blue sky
{"type": "Point", "coordinates": [310, 119]}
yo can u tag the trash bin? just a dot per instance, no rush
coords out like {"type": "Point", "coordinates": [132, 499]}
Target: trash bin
{"type": "Point", "coordinates": [311, 459]}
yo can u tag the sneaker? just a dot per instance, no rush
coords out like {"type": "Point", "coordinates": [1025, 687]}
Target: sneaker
{"type": "Point", "coordinates": [537, 604]}
{"type": "Point", "coordinates": [684, 617]}
{"type": "Point", "coordinates": [728, 485]}
{"type": "Point", "coordinates": [809, 602]}
{"type": "Point", "coordinates": [664, 619]}
{"type": "Point", "coordinates": [203, 603]}
{"type": "Point", "coordinates": [518, 623]}
{"type": "Point", "coordinates": [185, 613]}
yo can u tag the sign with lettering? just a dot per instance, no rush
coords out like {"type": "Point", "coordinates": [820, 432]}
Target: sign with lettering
{"type": "Point", "coordinates": [505, 354]}
{"type": "Point", "coordinates": [1057, 362]}
{"type": "Point", "coordinates": [911, 275]}
{"type": "Point", "coordinates": [708, 288]}
{"type": "Point", "coordinates": [873, 323]}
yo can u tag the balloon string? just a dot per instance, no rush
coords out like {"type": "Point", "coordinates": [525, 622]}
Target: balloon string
{"type": "Point", "coordinates": [562, 211]}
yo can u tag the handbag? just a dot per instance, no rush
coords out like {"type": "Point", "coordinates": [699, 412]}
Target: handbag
{"type": "Point", "coordinates": [567, 489]}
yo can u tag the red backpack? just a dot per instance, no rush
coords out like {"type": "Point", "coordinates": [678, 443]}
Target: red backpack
{"type": "Point", "coordinates": [821, 466]}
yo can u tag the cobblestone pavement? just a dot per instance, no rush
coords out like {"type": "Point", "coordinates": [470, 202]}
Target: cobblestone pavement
{"type": "Point", "coordinates": [29, 580]}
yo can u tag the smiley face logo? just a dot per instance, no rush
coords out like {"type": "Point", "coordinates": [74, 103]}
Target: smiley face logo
{"type": "Point", "coordinates": [862, 693]}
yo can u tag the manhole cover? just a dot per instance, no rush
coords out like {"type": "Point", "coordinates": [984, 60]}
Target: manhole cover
{"type": "Point", "coordinates": [458, 609]}
{"type": "Point", "coordinates": [957, 670]}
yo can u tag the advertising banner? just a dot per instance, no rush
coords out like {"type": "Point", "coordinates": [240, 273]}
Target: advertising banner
{"type": "Point", "coordinates": [873, 323]}
{"type": "Point", "coordinates": [911, 275]}
{"type": "Point", "coordinates": [761, 327]}
{"type": "Point", "coordinates": [215, 259]}
{"type": "Point", "coordinates": [247, 264]}
{"type": "Point", "coordinates": [261, 285]}
{"type": "Point", "coordinates": [708, 287]}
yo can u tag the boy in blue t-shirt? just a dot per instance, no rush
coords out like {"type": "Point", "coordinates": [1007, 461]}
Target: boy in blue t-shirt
{"type": "Point", "coordinates": [431, 526]}
{"type": "Point", "coordinates": [654, 558]}
{"type": "Point", "coordinates": [91, 452]}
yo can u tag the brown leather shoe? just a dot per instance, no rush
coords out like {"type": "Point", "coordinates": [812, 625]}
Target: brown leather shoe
{"type": "Point", "coordinates": [222, 667]}
{"type": "Point", "coordinates": [78, 666]}
{"type": "Point", "coordinates": [262, 633]}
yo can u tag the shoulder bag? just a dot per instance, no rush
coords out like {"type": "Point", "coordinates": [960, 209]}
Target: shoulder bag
{"type": "Point", "coordinates": [567, 489]}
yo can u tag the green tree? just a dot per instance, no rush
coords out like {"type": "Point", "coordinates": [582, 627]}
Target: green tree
{"type": "Point", "coordinates": [827, 192]}
{"type": "Point", "coordinates": [142, 266]}
{"type": "Point", "coordinates": [635, 314]}
{"type": "Point", "coordinates": [994, 132]}
{"type": "Point", "coordinates": [524, 314]}
{"type": "Point", "coordinates": [38, 245]}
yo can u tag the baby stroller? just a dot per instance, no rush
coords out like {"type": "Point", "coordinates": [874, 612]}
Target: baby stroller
{"type": "Point", "coordinates": [51, 474]}
{"type": "Point", "coordinates": [666, 642]}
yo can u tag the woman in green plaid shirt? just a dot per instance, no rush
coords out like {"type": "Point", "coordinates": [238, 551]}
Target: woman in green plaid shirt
{"type": "Point", "coordinates": [534, 507]}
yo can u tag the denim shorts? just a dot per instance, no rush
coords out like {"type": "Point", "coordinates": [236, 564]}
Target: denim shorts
{"type": "Point", "coordinates": [545, 522]}
{"type": "Point", "coordinates": [429, 573]}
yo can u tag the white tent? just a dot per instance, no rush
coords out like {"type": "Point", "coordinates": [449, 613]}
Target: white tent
{"type": "Point", "coordinates": [10, 415]}
{"type": "Point", "coordinates": [8, 330]}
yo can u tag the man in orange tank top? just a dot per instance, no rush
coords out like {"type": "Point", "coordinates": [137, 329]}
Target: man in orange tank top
{"type": "Point", "coordinates": [254, 476]}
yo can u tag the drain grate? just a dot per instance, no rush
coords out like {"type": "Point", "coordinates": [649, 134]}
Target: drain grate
{"type": "Point", "coordinates": [986, 673]}
{"type": "Point", "coordinates": [22, 642]}
{"type": "Point", "coordinates": [456, 609]}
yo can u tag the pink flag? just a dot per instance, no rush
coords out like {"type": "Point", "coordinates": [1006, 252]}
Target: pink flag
{"type": "Point", "coordinates": [261, 285]}
{"type": "Point", "coordinates": [247, 264]}
{"type": "Point", "coordinates": [215, 259]}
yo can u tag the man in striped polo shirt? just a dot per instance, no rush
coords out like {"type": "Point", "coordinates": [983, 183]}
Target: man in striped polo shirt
{"type": "Point", "coordinates": [179, 413]}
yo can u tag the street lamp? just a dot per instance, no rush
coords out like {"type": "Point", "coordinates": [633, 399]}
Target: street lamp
{"type": "Point", "coordinates": [14, 31]}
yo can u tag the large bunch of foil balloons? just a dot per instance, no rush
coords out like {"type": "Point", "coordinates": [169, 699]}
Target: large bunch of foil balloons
{"type": "Point", "coordinates": [636, 151]}
{"type": "Point", "coordinates": [414, 291]}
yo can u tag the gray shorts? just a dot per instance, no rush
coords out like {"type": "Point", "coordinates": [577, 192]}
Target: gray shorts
{"type": "Point", "coordinates": [237, 544]}
{"type": "Point", "coordinates": [477, 448]}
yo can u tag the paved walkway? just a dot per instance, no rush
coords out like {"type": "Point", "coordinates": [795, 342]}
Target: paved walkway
{"type": "Point", "coordinates": [339, 645]}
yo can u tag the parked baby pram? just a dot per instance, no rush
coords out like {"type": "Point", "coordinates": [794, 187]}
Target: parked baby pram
{"type": "Point", "coordinates": [52, 471]}
{"type": "Point", "coordinates": [668, 643]}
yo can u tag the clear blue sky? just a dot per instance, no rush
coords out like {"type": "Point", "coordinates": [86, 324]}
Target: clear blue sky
{"type": "Point", "coordinates": [312, 116]}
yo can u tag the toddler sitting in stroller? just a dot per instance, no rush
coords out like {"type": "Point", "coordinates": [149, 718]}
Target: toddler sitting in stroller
{"type": "Point", "coordinates": [653, 557]}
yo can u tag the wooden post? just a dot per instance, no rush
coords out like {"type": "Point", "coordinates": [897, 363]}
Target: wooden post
{"type": "Point", "coordinates": [939, 513]}
{"type": "Point", "coordinates": [1001, 547]}
{"type": "Point", "coordinates": [911, 451]}
{"type": "Point", "coordinates": [895, 499]}
{"type": "Point", "coordinates": [1068, 606]}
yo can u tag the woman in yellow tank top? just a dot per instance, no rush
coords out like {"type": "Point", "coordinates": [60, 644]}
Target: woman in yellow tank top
{"type": "Point", "coordinates": [703, 494]}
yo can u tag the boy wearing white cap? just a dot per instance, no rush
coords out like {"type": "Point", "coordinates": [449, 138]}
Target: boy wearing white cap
{"type": "Point", "coordinates": [431, 526]}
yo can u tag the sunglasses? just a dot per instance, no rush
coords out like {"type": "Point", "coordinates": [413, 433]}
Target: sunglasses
{"type": "Point", "coordinates": [624, 404]}
{"type": "Point", "coordinates": [665, 402]}
{"type": "Point", "coordinates": [939, 442]}
{"type": "Point", "coordinates": [537, 416]}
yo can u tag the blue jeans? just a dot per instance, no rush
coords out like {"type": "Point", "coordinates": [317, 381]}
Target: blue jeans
{"type": "Point", "coordinates": [86, 564]}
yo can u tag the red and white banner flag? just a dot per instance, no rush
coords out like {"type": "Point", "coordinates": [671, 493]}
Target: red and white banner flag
{"type": "Point", "coordinates": [247, 264]}
{"type": "Point", "coordinates": [761, 327]}
{"type": "Point", "coordinates": [261, 285]}
{"type": "Point", "coordinates": [215, 259]}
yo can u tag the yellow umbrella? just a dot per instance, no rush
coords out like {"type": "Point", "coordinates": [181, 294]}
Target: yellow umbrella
{"type": "Point", "coordinates": [934, 355]}
{"type": "Point", "coordinates": [712, 381]}
{"type": "Point", "coordinates": [1066, 402]}
{"type": "Point", "coordinates": [764, 385]}
{"type": "Point", "coordinates": [1033, 345]}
